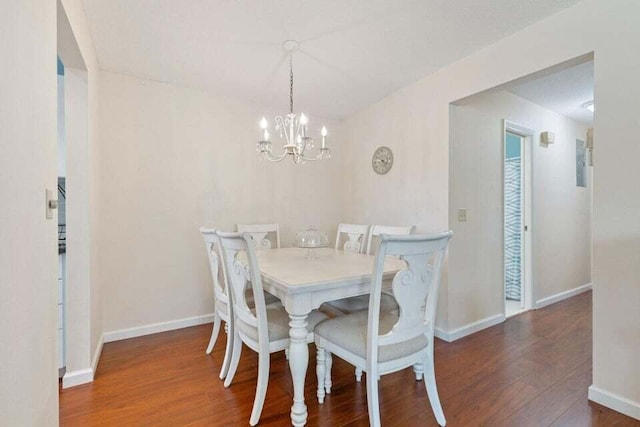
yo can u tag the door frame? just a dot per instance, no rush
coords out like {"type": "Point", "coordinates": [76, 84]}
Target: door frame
{"type": "Point", "coordinates": [528, 291]}
{"type": "Point", "coordinates": [78, 297]}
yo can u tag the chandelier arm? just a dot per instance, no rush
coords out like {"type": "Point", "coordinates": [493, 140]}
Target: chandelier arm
{"type": "Point", "coordinates": [282, 126]}
{"type": "Point", "coordinates": [274, 158]}
{"type": "Point", "coordinates": [313, 159]}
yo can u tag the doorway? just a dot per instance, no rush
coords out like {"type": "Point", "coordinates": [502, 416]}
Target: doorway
{"type": "Point", "coordinates": [517, 218]}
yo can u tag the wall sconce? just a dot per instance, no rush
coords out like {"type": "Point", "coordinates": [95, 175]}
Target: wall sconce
{"type": "Point", "coordinates": [591, 106]}
{"type": "Point", "coordinates": [547, 138]}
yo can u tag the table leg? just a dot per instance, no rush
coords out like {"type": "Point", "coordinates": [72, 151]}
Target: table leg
{"type": "Point", "coordinates": [298, 362]}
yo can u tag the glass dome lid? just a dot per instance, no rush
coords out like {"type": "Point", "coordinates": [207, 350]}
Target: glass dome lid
{"type": "Point", "coordinates": [312, 238]}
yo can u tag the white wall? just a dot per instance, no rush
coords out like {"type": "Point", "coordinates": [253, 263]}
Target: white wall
{"type": "Point", "coordinates": [416, 118]}
{"type": "Point", "coordinates": [561, 223]}
{"type": "Point", "coordinates": [28, 255]}
{"type": "Point", "coordinates": [175, 159]}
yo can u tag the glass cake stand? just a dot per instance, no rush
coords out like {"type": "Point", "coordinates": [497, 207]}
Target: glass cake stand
{"type": "Point", "coordinates": [311, 239]}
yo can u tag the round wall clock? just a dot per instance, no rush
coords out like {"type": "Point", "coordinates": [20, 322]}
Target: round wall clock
{"type": "Point", "coordinates": [382, 160]}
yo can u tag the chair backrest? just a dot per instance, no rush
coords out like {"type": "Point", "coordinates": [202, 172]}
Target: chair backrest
{"type": "Point", "coordinates": [356, 234]}
{"type": "Point", "coordinates": [377, 230]}
{"type": "Point", "coordinates": [415, 288]}
{"type": "Point", "coordinates": [220, 290]}
{"type": "Point", "coordinates": [260, 234]}
{"type": "Point", "coordinates": [250, 324]}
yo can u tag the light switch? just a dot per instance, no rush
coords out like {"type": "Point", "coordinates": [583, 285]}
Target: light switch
{"type": "Point", "coordinates": [51, 203]}
{"type": "Point", "coordinates": [462, 215]}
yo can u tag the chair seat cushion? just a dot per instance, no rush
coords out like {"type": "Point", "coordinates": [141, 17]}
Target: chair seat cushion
{"type": "Point", "coordinates": [268, 298]}
{"type": "Point", "coordinates": [350, 333]}
{"type": "Point", "coordinates": [278, 320]}
{"type": "Point", "coordinates": [354, 304]}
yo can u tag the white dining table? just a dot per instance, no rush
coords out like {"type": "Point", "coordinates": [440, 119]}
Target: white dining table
{"type": "Point", "coordinates": [303, 283]}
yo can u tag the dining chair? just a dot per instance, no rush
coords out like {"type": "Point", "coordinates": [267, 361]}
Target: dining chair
{"type": "Point", "coordinates": [264, 328]}
{"type": "Point", "coordinates": [356, 233]}
{"type": "Point", "coordinates": [381, 342]}
{"type": "Point", "coordinates": [223, 310]}
{"type": "Point", "coordinates": [376, 230]}
{"type": "Point", "coordinates": [359, 303]}
{"type": "Point", "coordinates": [260, 233]}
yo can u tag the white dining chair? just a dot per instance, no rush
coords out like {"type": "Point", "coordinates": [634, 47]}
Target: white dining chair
{"type": "Point", "coordinates": [388, 302]}
{"type": "Point", "coordinates": [261, 233]}
{"type": "Point", "coordinates": [355, 235]}
{"type": "Point", "coordinates": [359, 303]}
{"type": "Point", "coordinates": [223, 310]}
{"type": "Point", "coordinates": [354, 241]}
{"type": "Point", "coordinates": [376, 230]}
{"type": "Point", "coordinates": [380, 342]}
{"type": "Point", "coordinates": [264, 328]}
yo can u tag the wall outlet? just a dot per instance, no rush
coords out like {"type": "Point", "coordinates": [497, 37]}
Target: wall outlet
{"type": "Point", "coordinates": [462, 215]}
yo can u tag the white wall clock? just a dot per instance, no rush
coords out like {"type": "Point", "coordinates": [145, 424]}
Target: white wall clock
{"type": "Point", "coordinates": [382, 160]}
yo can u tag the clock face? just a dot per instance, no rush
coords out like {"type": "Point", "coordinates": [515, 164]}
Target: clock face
{"type": "Point", "coordinates": [382, 160]}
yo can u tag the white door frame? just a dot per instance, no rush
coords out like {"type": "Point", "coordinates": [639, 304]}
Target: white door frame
{"type": "Point", "coordinates": [527, 212]}
{"type": "Point", "coordinates": [78, 297]}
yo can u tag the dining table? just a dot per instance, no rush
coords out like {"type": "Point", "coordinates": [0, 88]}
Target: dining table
{"type": "Point", "coordinates": [303, 283]}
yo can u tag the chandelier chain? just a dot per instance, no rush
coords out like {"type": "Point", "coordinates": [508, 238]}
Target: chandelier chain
{"type": "Point", "coordinates": [291, 83]}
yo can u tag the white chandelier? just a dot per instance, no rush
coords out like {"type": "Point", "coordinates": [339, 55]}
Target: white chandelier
{"type": "Point", "coordinates": [292, 129]}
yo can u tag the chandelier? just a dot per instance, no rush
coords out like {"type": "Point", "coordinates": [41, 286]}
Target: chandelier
{"type": "Point", "coordinates": [292, 129]}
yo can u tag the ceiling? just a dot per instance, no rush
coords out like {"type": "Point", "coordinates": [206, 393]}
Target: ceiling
{"type": "Point", "coordinates": [564, 92]}
{"type": "Point", "coordinates": [353, 52]}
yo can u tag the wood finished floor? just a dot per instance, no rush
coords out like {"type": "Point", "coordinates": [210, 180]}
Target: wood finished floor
{"type": "Point", "coordinates": [532, 370]}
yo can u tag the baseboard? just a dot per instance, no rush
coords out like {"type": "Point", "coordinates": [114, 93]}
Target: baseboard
{"type": "Point", "coordinates": [469, 329]}
{"type": "Point", "coordinates": [96, 354]}
{"type": "Point", "coordinates": [615, 402]}
{"type": "Point", "coordinates": [83, 376]}
{"type": "Point", "coordinates": [154, 328]}
{"type": "Point", "coordinates": [562, 296]}
{"type": "Point", "coordinates": [74, 378]}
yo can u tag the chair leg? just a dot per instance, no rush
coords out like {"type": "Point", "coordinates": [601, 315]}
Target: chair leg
{"type": "Point", "coordinates": [372, 398]}
{"type": "Point", "coordinates": [418, 368]}
{"type": "Point", "coordinates": [286, 353]}
{"type": "Point", "coordinates": [235, 358]}
{"type": "Point", "coordinates": [228, 351]}
{"type": "Point", "coordinates": [432, 390]}
{"type": "Point", "coordinates": [321, 369]}
{"type": "Point", "coordinates": [214, 333]}
{"type": "Point", "coordinates": [327, 377]}
{"type": "Point", "coordinates": [358, 374]}
{"type": "Point", "coordinates": [261, 387]}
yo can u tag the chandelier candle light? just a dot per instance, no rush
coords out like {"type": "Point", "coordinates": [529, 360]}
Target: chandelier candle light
{"type": "Point", "coordinates": [292, 129]}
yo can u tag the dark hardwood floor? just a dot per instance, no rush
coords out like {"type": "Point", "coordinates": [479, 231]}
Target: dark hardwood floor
{"type": "Point", "coordinates": [532, 370]}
